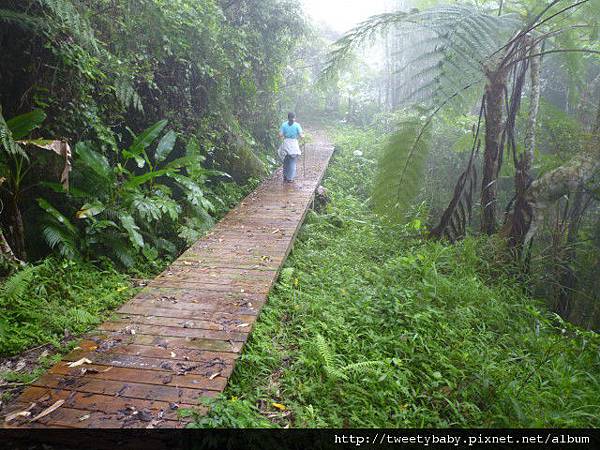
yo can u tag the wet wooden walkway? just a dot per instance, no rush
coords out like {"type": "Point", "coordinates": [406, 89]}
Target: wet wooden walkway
{"type": "Point", "coordinates": [179, 338]}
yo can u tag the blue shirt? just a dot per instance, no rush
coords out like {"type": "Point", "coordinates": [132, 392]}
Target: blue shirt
{"type": "Point", "coordinates": [292, 131]}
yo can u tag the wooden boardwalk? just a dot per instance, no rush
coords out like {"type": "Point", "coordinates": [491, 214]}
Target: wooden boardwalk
{"type": "Point", "coordinates": [179, 338]}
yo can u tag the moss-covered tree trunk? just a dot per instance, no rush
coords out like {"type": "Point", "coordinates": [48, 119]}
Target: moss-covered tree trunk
{"type": "Point", "coordinates": [494, 112]}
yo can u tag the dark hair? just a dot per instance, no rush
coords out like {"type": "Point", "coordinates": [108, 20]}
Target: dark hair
{"type": "Point", "coordinates": [291, 117]}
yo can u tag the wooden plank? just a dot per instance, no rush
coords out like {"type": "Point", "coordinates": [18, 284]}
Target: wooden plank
{"type": "Point", "coordinates": [171, 394]}
{"type": "Point", "coordinates": [231, 323]}
{"type": "Point", "coordinates": [154, 330]}
{"type": "Point", "coordinates": [88, 347]}
{"type": "Point", "coordinates": [103, 403]}
{"type": "Point", "coordinates": [208, 374]}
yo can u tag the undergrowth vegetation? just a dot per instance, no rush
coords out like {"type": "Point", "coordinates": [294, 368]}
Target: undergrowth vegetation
{"type": "Point", "coordinates": [370, 326]}
{"type": "Point", "coordinates": [45, 303]}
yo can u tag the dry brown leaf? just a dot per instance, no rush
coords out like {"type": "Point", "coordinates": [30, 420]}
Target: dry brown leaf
{"type": "Point", "coordinates": [79, 363]}
{"type": "Point", "coordinates": [48, 410]}
{"type": "Point", "coordinates": [61, 148]}
{"type": "Point", "coordinates": [214, 375]}
{"type": "Point", "coordinates": [25, 413]}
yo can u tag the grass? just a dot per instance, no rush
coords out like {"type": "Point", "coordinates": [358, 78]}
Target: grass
{"type": "Point", "coordinates": [371, 326]}
{"type": "Point", "coordinates": [43, 303]}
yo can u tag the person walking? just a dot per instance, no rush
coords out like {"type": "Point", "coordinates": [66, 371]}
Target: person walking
{"type": "Point", "coordinates": [289, 150]}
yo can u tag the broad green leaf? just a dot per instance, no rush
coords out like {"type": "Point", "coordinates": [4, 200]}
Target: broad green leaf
{"type": "Point", "coordinates": [142, 141]}
{"type": "Point", "coordinates": [94, 160]}
{"type": "Point", "coordinates": [165, 146]}
{"type": "Point", "coordinates": [132, 230]}
{"type": "Point", "coordinates": [141, 179]}
{"type": "Point", "coordinates": [56, 214]}
{"type": "Point", "coordinates": [21, 126]}
{"type": "Point", "coordinates": [90, 210]}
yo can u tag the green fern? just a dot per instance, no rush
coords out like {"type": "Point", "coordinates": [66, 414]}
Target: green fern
{"type": "Point", "coordinates": [58, 238]}
{"type": "Point", "coordinates": [363, 368]}
{"type": "Point", "coordinates": [127, 95]}
{"type": "Point", "coordinates": [64, 16]}
{"type": "Point", "coordinates": [16, 285]}
{"type": "Point", "coordinates": [7, 142]}
{"type": "Point", "coordinates": [82, 316]}
{"type": "Point", "coordinates": [58, 231]}
{"type": "Point", "coordinates": [336, 372]}
{"type": "Point", "coordinates": [324, 352]}
{"type": "Point", "coordinates": [401, 168]}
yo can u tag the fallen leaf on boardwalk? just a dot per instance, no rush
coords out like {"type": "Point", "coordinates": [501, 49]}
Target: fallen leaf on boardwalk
{"type": "Point", "coordinates": [242, 291]}
{"type": "Point", "coordinates": [214, 375]}
{"type": "Point", "coordinates": [276, 231]}
{"type": "Point", "coordinates": [48, 410]}
{"type": "Point", "coordinates": [152, 424]}
{"type": "Point", "coordinates": [187, 263]}
{"type": "Point", "coordinates": [79, 363]}
{"type": "Point", "coordinates": [25, 413]}
{"type": "Point", "coordinates": [84, 417]}
{"type": "Point", "coordinates": [279, 406]}
{"type": "Point", "coordinates": [173, 354]}
{"type": "Point", "coordinates": [86, 370]}
{"type": "Point", "coordinates": [243, 325]}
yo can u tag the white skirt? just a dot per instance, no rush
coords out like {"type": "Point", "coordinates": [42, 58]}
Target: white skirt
{"type": "Point", "coordinates": [289, 147]}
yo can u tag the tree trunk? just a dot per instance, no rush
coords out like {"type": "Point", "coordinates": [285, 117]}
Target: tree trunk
{"type": "Point", "coordinates": [494, 108]}
{"type": "Point", "coordinates": [6, 251]}
{"type": "Point", "coordinates": [17, 234]}
{"type": "Point", "coordinates": [568, 279]}
{"type": "Point", "coordinates": [534, 106]}
{"type": "Point", "coordinates": [549, 188]}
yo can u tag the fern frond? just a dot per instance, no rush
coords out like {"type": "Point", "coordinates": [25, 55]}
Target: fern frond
{"type": "Point", "coordinates": [324, 352]}
{"type": "Point", "coordinates": [7, 142]}
{"type": "Point", "coordinates": [400, 171]}
{"type": "Point", "coordinates": [58, 238]}
{"type": "Point", "coordinates": [120, 250]}
{"type": "Point", "coordinates": [362, 368]}
{"type": "Point", "coordinates": [64, 15]}
{"type": "Point", "coordinates": [22, 20]}
{"type": "Point", "coordinates": [451, 41]}
{"type": "Point", "coordinates": [16, 285]}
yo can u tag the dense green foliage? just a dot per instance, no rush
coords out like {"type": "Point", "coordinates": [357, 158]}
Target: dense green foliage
{"type": "Point", "coordinates": [152, 96]}
{"type": "Point", "coordinates": [388, 330]}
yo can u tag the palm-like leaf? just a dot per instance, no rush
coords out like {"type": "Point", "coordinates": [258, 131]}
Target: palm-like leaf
{"type": "Point", "coordinates": [401, 167]}
{"type": "Point", "coordinates": [447, 47]}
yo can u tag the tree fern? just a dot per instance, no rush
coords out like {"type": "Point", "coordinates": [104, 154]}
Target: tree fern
{"type": "Point", "coordinates": [458, 40]}
{"type": "Point", "coordinates": [401, 168]}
